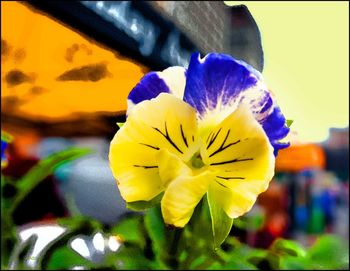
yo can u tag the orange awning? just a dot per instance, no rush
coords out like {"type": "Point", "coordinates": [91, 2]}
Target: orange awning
{"type": "Point", "coordinates": [299, 157]}
{"type": "Point", "coordinates": [51, 73]}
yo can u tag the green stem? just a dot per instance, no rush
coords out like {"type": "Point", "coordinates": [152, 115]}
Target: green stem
{"type": "Point", "coordinates": [175, 242]}
{"type": "Point", "coordinates": [174, 236]}
{"type": "Point", "coordinates": [194, 226]}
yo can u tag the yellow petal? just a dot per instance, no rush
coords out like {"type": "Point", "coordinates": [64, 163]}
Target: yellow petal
{"type": "Point", "coordinates": [165, 122]}
{"type": "Point", "coordinates": [240, 153]}
{"type": "Point", "coordinates": [182, 196]}
{"type": "Point", "coordinates": [238, 147]}
{"type": "Point", "coordinates": [136, 170]}
{"type": "Point", "coordinates": [238, 197]}
{"type": "Point", "coordinates": [171, 167]}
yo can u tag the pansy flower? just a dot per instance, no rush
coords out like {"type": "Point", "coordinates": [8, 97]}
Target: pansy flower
{"type": "Point", "coordinates": [212, 129]}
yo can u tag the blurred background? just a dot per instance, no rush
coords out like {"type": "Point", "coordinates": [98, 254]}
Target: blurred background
{"type": "Point", "coordinates": [67, 68]}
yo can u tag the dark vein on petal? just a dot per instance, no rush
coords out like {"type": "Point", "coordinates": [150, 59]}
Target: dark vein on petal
{"type": "Point", "coordinates": [214, 138]}
{"type": "Point", "coordinates": [153, 147]}
{"type": "Point", "coordinates": [221, 184]}
{"type": "Point", "coordinates": [231, 161]}
{"type": "Point", "coordinates": [192, 138]}
{"type": "Point", "coordinates": [145, 167]}
{"type": "Point", "coordinates": [230, 178]}
{"type": "Point", "coordinates": [167, 137]}
{"type": "Point", "coordinates": [208, 137]}
{"type": "Point", "coordinates": [224, 148]}
{"type": "Point", "coordinates": [183, 135]}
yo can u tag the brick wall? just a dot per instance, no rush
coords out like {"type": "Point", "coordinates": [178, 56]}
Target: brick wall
{"type": "Point", "coordinates": [215, 27]}
{"type": "Point", "coordinates": [204, 22]}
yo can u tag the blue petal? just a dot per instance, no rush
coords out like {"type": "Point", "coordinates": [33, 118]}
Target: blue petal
{"type": "Point", "coordinates": [267, 105]}
{"type": "Point", "coordinates": [150, 86]}
{"type": "Point", "coordinates": [275, 125]}
{"type": "Point", "coordinates": [219, 82]}
{"type": "Point", "coordinates": [278, 146]}
{"type": "Point", "coordinates": [3, 148]}
{"type": "Point", "coordinates": [217, 79]}
{"type": "Point", "coordinates": [171, 80]}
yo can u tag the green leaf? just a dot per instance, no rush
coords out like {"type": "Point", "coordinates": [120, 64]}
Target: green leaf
{"type": "Point", "coordinates": [22, 252]}
{"type": "Point", "coordinates": [142, 205]}
{"type": "Point", "coordinates": [130, 230]}
{"type": "Point", "coordinates": [282, 250]}
{"type": "Point", "coordinates": [293, 263]}
{"type": "Point", "coordinates": [86, 225]}
{"type": "Point", "coordinates": [287, 247]}
{"type": "Point", "coordinates": [221, 223]}
{"type": "Point", "coordinates": [64, 258]}
{"type": "Point", "coordinates": [156, 229]}
{"type": "Point", "coordinates": [45, 257]}
{"type": "Point", "coordinates": [120, 124]}
{"type": "Point", "coordinates": [159, 235]}
{"type": "Point", "coordinates": [234, 264]}
{"type": "Point", "coordinates": [74, 226]}
{"type": "Point", "coordinates": [289, 122]}
{"type": "Point", "coordinates": [9, 239]}
{"type": "Point", "coordinates": [256, 222]}
{"type": "Point", "coordinates": [256, 256]}
{"type": "Point", "coordinates": [43, 169]}
{"type": "Point", "coordinates": [8, 194]}
{"type": "Point", "coordinates": [252, 222]}
{"type": "Point", "coordinates": [329, 252]}
{"type": "Point", "coordinates": [131, 258]}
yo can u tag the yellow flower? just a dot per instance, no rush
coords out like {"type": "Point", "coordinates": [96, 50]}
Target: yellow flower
{"type": "Point", "coordinates": [169, 144]}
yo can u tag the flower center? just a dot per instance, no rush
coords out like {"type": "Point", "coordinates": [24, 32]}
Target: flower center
{"type": "Point", "coordinates": [196, 161]}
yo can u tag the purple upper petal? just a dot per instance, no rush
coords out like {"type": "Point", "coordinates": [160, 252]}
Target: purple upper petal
{"type": "Point", "coordinates": [171, 80]}
{"type": "Point", "coordinates": [219, 81]}
{"type": "Point", "coordinates": [217, 78]}
{"type": "Point", "coordinates": [150, 86]}
{"type": "Point", "coordinates": [275, 127]}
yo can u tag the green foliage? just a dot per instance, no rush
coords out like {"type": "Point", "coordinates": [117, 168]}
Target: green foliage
{"type": "Point", "coordinates": [120, 124]}
{"type": "Point", "coordinates": [287, 247]}
{"type": "Point", "coordinates": [132, 258]}
{"type": "Point", "coordinates": [9, 239]}
{"type": "Point", "coordinates": [43, 169]}
{"type": "Point", "coordinates": [13, 192]}
{"type": "Point", "coordinates": [233, 264]}
{"type": "Point", "coordinates": [131, 230]}
{"type": "Point", "coordinates": [77, 226]}
{"type": "Point", "coordinates": [289, 122]}
{"type": "Point", "coordinates": [143, 205]}
{"type": "Point", "coordinates": [148, 244]}
{"type": "Point", "coordinates": [329, 252]}
{"type": "Point", "coordinates": [155, 229]}
{"type": "Point", "coordinates": [221, 223]}
{"type": "Point", "coordinates": [250, 222]}
{"type": "Point", "coordinates": [64, 258]}
{"type": "Point", "coordinates": [22, 252]}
